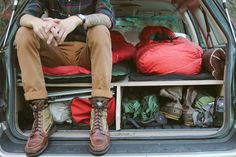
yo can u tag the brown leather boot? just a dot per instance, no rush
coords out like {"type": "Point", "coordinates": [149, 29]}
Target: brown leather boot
{"type": "Point", "coordinates": [99, 131]}
{"type": "Point", "coordinates": [42, 127]}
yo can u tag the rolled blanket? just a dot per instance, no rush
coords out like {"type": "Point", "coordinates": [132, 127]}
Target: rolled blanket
{"type": "Point", "coordinates": [214, 62]}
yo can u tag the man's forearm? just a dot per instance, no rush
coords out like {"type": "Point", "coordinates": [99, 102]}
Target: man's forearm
{"type": "Point", "coordinates": [39, 27]}
{"type": "Point", "coordinates": [98, 19]}
{"type": "Point", "coordinates": [27, 20]}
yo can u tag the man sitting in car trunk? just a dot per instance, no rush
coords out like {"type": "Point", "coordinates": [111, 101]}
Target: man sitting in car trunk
{"type": "Point", "coordinates": [76, 32]}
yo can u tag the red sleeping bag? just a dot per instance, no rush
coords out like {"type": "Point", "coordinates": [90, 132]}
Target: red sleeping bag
{"type": "Point", "coordinates": [65, 70]}
{"type": "Point", "coordinates": [121, 50]}
{"type": "Point", "coordinates": [81, 108]}
{"type": "Point", "coordinates": [178, 55]}
{"type": "Point", "coordinates": [158, 33]}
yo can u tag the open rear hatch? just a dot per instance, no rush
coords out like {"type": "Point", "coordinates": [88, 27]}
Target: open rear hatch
{"type": "Point", "coordinates": [131, 18]}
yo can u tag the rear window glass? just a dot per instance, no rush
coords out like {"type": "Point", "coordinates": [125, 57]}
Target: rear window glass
{"type": "Point", "coordinates": [138, 23]}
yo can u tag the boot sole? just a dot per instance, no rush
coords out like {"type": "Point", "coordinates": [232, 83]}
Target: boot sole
{"type": "Point", "coordinates": [98, 152]}
{"type": "Point", "coordinates": [172, 112]}
{"type": "Point", "coordinates": [188, 120]}
{"type": "Point", "coordinates": [39, 152]}
{"type": "Point", "coordinates": [170, 116]}
{"type": "Point", "coordinates": [52, 130]}
{"type": "Point", "coordinates": [190, 124]}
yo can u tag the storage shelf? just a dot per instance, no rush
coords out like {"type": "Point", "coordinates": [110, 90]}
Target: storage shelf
{"type": "Point", "coordinates": [170, 83]}
{"type": "Point", "coordinates": [125, 83]}
{"type": "Point", "coordinates": [142, 83]}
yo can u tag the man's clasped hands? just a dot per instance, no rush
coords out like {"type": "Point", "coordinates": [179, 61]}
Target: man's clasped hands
{"type": "Point", "coordinates": [55, 31]}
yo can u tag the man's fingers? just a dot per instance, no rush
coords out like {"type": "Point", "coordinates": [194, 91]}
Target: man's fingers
{"type": "Point", "coordinates": [40, 35]}
{"type": "Point", "coordinates": [57, 21]}
{"type": "Point", "coordinates": [49, 26]}
{"type": "Point", "coordinates": [54, 31]}
{"type": "Point", "coordinates": [49, 23]}
{"type": "Point", "coordinates": [50, 38]}
{"type": "Point", "coordinates": [63, 37]}
{"type": "Point", "coordinates": [59, 35]}
{"type": "Point", "coordinates": [44, 34]}
{"type": "Point", "coordinates": [47, 19]}
{"type": "Point", "coordinates": [57, 32]}
{"type": "Point", "coordinates": [54, 42]}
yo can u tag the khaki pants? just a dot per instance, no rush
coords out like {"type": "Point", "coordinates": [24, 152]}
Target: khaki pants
{"type": "Point", "coordinates": [95, 54]}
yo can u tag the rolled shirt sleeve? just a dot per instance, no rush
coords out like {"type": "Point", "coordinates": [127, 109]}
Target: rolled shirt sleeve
{"type": "Point", "coordinates": [105, 7]}
{"type": "Point", "coordinates": [34, 8]}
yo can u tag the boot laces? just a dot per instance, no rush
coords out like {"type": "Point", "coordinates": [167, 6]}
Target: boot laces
{"type": "Point", "coordinates": [38, 122]}
{"type": "Point", "coordinates": [99, 107]}
{"type": "Point", "coordinates": [98, 119]}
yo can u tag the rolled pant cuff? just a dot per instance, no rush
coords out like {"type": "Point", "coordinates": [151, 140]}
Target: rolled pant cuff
{"type": "Point", "coordinates": [36, 95]}
{"type": "Point", "coordinates": [101, 93]}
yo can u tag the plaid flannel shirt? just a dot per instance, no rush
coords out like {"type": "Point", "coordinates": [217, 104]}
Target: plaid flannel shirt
{"type": "Point", "coordinates": [63, 8]}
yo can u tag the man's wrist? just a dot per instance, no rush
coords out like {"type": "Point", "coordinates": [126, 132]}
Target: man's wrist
{"type": "Point", "coordinates": [82, 18]}
{"type": "Point", "coordinates": [35, 21]}
{"type": "Point", "coordinates": [77, 20]}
